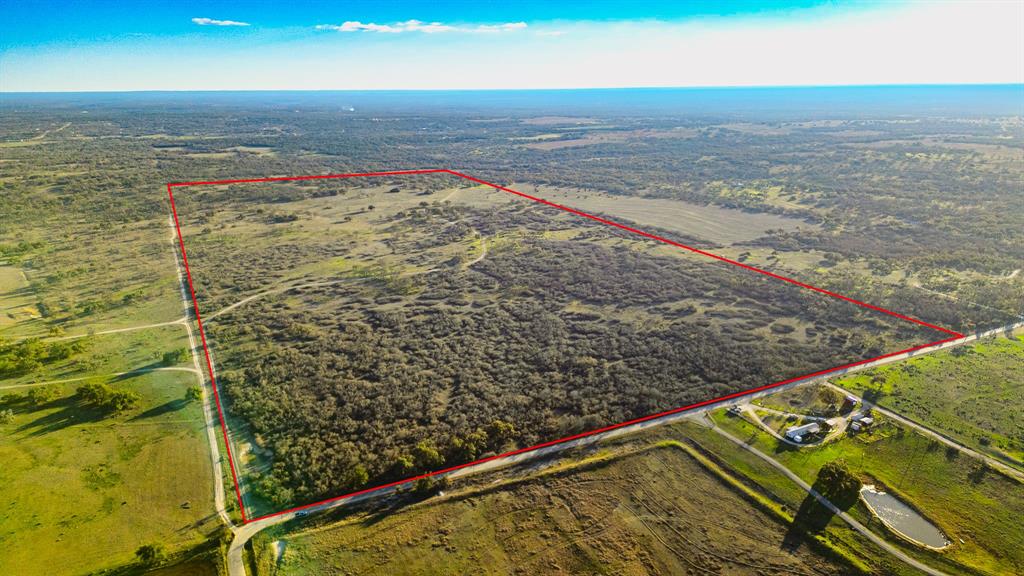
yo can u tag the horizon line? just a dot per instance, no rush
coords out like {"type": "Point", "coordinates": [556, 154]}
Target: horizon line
{"type": "Point", "coordinates": [564, 89]}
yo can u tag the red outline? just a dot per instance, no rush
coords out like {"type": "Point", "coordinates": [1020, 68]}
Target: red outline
{"type": "Point", "coordinates": [220, 411]}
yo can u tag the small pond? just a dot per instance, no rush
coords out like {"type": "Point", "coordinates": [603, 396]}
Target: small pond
{"type": "Point", "coordinates": [902, 518]}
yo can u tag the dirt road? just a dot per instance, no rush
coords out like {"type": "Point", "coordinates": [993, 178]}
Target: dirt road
{"type": "Point", "coordinates": [208, 413]}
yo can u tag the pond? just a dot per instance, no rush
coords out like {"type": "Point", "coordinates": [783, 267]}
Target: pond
{"type": "Point", "coordinates": [903, 519]}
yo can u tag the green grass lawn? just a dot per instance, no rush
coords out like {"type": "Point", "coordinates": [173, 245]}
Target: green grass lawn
{"type": "Point", "coordinates": [973, 393]}
{"type": "Point", "coordinates": [84, 491]}
{"type": "Point", "coordinates": [966, 500]}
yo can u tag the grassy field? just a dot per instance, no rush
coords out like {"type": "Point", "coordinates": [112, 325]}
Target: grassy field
{"type": "Point", "coordinates": [976, 507]}
{"type": "Point", "coordinates": [110, 354]}
{"type": "Point", "coordinates": [812, 400]}
{"type": "Point", "coordinates": [592, 518]}
{"type": "Point", "coordinates": [972, 393]}
{"type": "Point", "coordinates": [17, 306]}
{"type": "Point", "coordinates": [721, 226]}
{"type": "Point", "coordinates": [83, 277]}
{"type": "Point", "coordinates": [84, 491]}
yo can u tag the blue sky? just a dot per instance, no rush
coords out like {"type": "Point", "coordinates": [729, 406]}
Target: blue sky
{"type": "Point", "coordinates": [149, 45]}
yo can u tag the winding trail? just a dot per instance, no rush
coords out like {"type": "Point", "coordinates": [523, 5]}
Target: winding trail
{"type": "Point", "coordinates": [279, 289]}
{"type": "Point", "coordinates": [181, 320]}
{"type": "Point", "coordinates": [483, 252]}
{"type": "Point", "coordinates": [319, 284]}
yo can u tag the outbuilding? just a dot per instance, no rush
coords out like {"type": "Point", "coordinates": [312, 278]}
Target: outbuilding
{"type": "Point", "coordinates": [798, 433]}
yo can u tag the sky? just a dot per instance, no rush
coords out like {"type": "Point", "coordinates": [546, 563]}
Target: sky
{"type": "Point", "coordinates": [102, 45]}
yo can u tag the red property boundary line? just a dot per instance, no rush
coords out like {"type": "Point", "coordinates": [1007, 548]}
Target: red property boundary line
{"type": "Point", "coordinates": [952, 335]}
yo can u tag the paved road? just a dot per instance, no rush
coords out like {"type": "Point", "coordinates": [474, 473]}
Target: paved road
{"type": "Point", "coordinates": [835, 510]}
{"type": "Point", "coordinates": [246, 532]}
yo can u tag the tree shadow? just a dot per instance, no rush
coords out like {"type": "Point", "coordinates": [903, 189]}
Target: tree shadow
{"type": "Point", "coordinates": [813, 517]}
{"type": "Point", "coordinates": [141, 371]}
{"type": "Point", "coordinates": [872, 395]}
{"type": "Point", "coordinates": [70, 412]}
{"type": "Point", "coordinates": [165, 408]}
{"type": "Point", "coordinates": [781, 447]}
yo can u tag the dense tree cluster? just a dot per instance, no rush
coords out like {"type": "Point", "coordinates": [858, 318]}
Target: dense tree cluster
{"type": "Point", "coordinates": [350, 383]}
{"type": "Point", "coordinates": [26, 356]}
{"type": "Point", "coordinates": [102, 396]}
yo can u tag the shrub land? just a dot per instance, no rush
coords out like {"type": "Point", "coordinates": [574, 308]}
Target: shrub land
{"type": "Point", "coordinates": [358, 346]}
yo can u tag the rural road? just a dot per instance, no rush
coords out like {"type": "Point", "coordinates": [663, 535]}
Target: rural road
{"type": "Point", "coordinates": [244, 533]}
{"type": "Point", "coordinates": [208, 414]}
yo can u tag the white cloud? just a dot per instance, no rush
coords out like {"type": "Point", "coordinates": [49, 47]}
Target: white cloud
{"type": "Point", "coordinates": [212, 22]}
{"type": "Point", "coordinates": [418, 26]}
{"type": "Point", "coordinates": [507, 27]}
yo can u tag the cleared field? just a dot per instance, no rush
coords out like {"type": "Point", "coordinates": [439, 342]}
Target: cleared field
{"type": "Point", "coordinates": [84, 490]}
{"type": "Point", "coordinates": [972, 393]}
{"type": "Point", "coordinates": [595, 519]}
{"type": "Point", "coordinates": [722, 226]}
{"type": "Point", "coordinates": [17, 304]}
{"type": "Point", "coordinates": [590, 137]}
{"type": "Point", "coordinates": [88, 276]}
